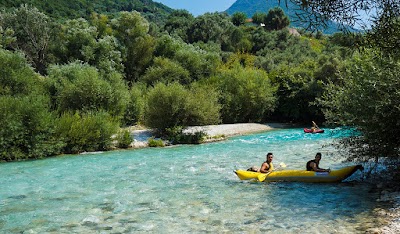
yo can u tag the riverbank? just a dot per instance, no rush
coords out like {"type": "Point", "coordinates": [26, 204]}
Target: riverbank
{"type": "Point", "coordinates": [214, 132]}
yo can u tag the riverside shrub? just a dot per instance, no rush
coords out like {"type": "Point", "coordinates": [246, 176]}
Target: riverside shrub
{"type": "Point", "coordinates": [90, 131]}
{"type": "Point", "coordinates": [27, 128]}
{"type": "Point", "coordinates": [174, 105]}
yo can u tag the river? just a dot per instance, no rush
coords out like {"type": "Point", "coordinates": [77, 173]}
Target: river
{"type": "Point", "coordinates": [181, 189]}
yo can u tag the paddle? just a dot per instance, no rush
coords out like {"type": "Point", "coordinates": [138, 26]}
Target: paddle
{"type": "Point", "coordinates": [262, 177]}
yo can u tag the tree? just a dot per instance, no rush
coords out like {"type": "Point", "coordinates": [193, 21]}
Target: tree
{"type": "Point", "coordinates": [383, 15]}
{"type": "Point", "coordinates": [199, 63]}
{"type": "Point", "coordinates": [131, 29]}
{"type": "Point", "coordinates": [17, 77]}
{"type": "Point", "coordinates": [32, 30]}
{"type": "Point", "coordinates": [173, 105]}
{"type": "Point", "coordinates": [178, 23]}
{"type": "Point", "coordinates": [239, 18]}
{"type": "Point", "coordinates": [246, 93]}
{"type": "Point", "coordinates": [80, 87]}
{"type": "Point", "coordinates": [276, 19]}
{"type": "Point", "coordinates": [367, 100]}
{"type": "Point", "coordinates": [86, 131]}
{"type": "Point", "coordinates": [259, 18]}
{"type": "Point", "coordinates": [215, 27]}
{"type": "Point", "coordinates": [76, 41]}
{"type": "Point", "coordinates": [166, 71]}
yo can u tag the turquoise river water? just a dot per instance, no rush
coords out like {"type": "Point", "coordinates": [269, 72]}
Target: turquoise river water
{"type": "Point", "coordinates": [182, 189]}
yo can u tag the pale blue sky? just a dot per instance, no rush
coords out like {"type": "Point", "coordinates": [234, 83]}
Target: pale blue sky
{"type": "Point", "coordinates": [198, 7]}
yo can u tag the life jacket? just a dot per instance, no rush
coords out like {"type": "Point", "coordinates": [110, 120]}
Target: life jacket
{"type": "Point", "coordinates": [271, 166]}
{"type": "Point", "coordinates": [308, 166]}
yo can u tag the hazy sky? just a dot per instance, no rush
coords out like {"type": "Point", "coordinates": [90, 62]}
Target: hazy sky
{"type": "Point", "coordinates": [198, 7]}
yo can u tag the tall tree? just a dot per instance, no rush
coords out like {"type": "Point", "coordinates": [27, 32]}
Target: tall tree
{"type": "Point", "coordinates": [239, 18]}
{"type": "Point", "coordinates": [276, 19]}
{"type": "Point", "coordinates": [178, 23]}
{"type": "Point", "coordinates": [32, 30]}
{"type": "Point", "coordinates": [131, 29]}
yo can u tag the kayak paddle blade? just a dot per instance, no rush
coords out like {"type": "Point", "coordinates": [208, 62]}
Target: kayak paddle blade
{"type": "Point", "coordinates": [262, 177]}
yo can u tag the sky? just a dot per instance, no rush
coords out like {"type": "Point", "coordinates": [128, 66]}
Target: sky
{"type": "Point", "coordinates": [198, 7]}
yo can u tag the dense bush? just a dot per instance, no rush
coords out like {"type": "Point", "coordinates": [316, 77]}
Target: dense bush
{"type": "Point", "coordinates": [173, 105]}
{"type": "Point", "coordinates": [368, 99]}
{"type": "Point", "coordinates": [177, 135]}
{"type": "Point", "coordinates": [79, 87]}
{"type": "Point", "coordinates": [16, 76]}
{"type": "Point", "coordinates": [124, 139]}
{"type": "Point", "coordinates": [166, 71]}
{"type": "Point", "coordinates": [155, 142]}
{"type": "Point", "coordinates": [86, 131]}
{"type": "Point", "coordinates": [247, 94]}
{"type": "Point", "coordinates": [298, 91]}
{"type": "Point", "coordinates": [135, 107]}
{"type": "Point", "coordinates": [27, 128]}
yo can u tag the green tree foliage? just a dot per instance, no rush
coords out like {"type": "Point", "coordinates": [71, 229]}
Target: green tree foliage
{"type": "Point", "coordinates": [27, 128]}
{"type": "Point", "coordinates": [77, 40]}
{"type": "Point", "coordinates": [6, 37]}
{"type": "Point", "coordinates": [277, 48]}
{"type": "Point", "coordinates": [166, 71]}
{"type": "Point", "coordinates": [368, 99]}
{"type": "Point", "coordinates": [27, 123]}
{"type": "Point", "coordinates": [131, 29]}
{"type": "Point", "coordinates": [239, 18]}
{"type": "Point", "coordinates": [199, 63]}
{"type": "Point", "coordinates": [276, 19]}
{"type": "Point", "coordinates": [167, 46]}
{"type": "Point", "coordinates": [80, 87]}
{"type": "Point", "coordinates": [246, 94]}
{"type": "Point", "coordinates": [73, 9]}
{"type": "Point", "coordinates": [173, 105]}
{"type": "Point", "coordinates": [89, 131]}
{"type": "Point", "coordinates": [385, 35]}
{"type": "Point", "coordinates": [215, 27]}
{"type": "Point", "coordinates": [178, 23]}
{"type": "Point", "coordinates": [124, 139]}
{"type": "Point", "coordinates": [135, 108]}
{"type": "Point", "coordinates": [259, 18]}
{"type": "Point", "coordinates": [298, 90]}
{"type": "Point", "coordinates": [17, 78]}
{"type": "Point", "coordinates": [32, 31]}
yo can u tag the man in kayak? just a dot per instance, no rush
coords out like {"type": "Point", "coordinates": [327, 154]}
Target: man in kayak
{"type": "Point", "coordinates": [314, 126]}
{"type": "Point", "coordinates": [266, 167]}
{"type": "Point", "coordinates": [313, 165]}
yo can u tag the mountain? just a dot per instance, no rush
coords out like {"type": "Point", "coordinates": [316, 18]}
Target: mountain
{"type": "Point", "coordinates": [249, 7]}
{"type": "Point", "coordinates": [72, 9]}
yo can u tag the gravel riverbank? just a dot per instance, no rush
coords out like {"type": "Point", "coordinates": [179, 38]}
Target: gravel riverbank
{"type": "Point", "coordinates": [214, 132]}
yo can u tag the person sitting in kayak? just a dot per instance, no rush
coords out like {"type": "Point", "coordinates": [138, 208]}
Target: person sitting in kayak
{"type": "Point", "coordinates": [314, 126]}
{"type": "Point", "coordinates": [266, 167]}
{"type": "Point", "coordinates": [313, 165]}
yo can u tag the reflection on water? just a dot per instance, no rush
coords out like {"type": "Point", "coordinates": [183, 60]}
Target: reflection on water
{"type": "Point", "coordinates": [181, 189]}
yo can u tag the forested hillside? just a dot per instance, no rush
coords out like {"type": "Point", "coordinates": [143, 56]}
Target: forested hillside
{"type": "Point", "coordinates": [72, 9]}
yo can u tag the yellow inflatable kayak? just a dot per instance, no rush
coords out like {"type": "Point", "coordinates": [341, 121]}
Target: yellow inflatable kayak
{"type": "Point", "coordinates": [300, 175]}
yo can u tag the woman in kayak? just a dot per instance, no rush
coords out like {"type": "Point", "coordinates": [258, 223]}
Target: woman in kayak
{"type": "Point", "coordinates": [266, 167]}
{"type": "Point", "coordinates": [313, 165]}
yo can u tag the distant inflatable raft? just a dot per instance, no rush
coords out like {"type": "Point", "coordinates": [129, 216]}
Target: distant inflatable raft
{"type": "Point", "coordinates": [300, 175]}
{"type": "Point", "coordinates": [307, 130]}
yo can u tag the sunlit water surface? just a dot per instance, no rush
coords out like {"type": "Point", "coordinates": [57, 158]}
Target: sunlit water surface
{"type": "Point", "coordinates": [184, 189]}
